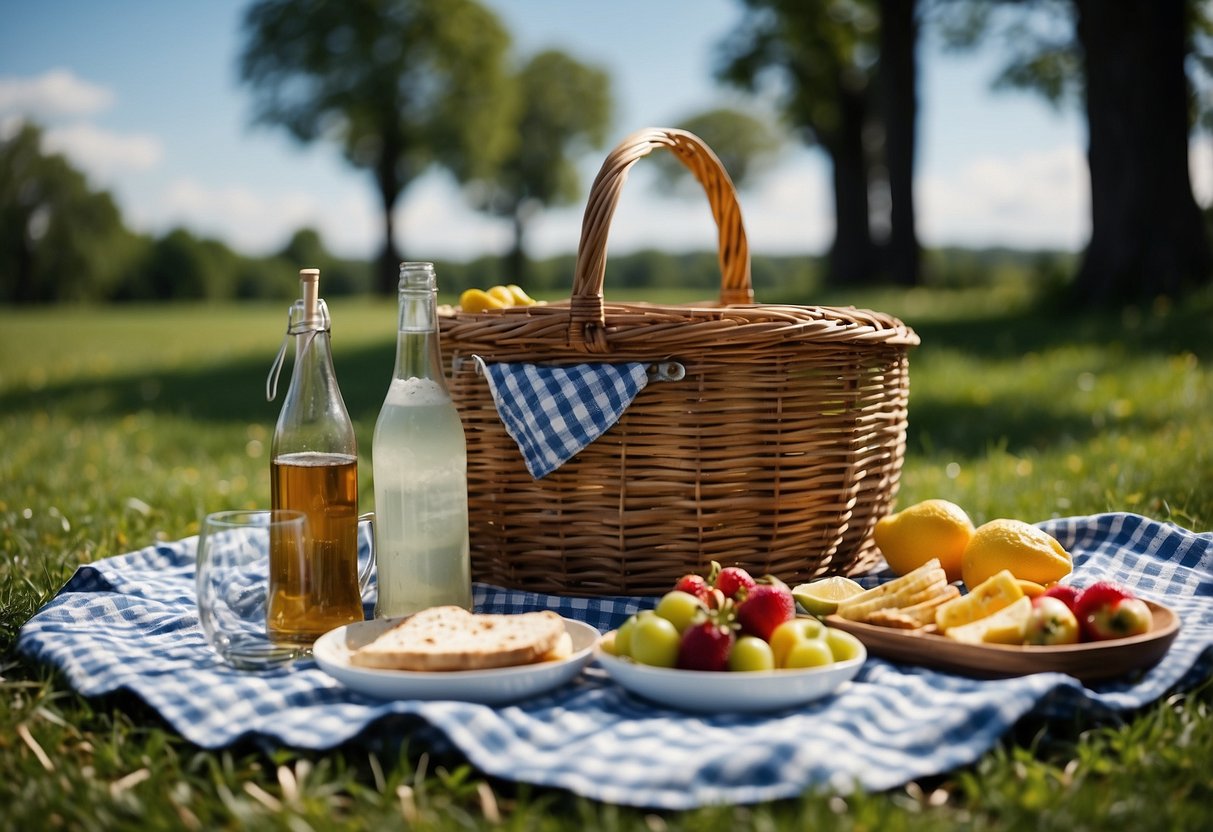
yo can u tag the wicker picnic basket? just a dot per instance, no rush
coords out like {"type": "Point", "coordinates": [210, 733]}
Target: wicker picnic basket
{"type": "Point", "coordinates": [779, 449]}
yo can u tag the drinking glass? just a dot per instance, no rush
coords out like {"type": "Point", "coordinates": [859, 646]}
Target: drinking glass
{"type": "Point", "coordinates": [233, 582]}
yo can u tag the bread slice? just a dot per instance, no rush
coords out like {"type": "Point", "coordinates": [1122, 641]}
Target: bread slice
{"type": "Point", "coordinates": [451, 638]}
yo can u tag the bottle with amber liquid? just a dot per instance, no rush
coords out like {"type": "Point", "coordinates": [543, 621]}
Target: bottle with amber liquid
{"type": "Point", "coordinates": [313, 469]}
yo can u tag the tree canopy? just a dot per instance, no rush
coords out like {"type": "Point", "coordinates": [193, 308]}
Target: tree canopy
{"type": "Point", "coordinates": [400, 85]}
{"type": "Point", "coordinates": [59, 239]}
{"type": "Point", "coordinates": [564, 109]}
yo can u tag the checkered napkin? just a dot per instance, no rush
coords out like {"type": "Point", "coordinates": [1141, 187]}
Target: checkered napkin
{"type": "Point", "coordinates": [554, 412]}
{"type": "Point", "coordinates": [128, 622]}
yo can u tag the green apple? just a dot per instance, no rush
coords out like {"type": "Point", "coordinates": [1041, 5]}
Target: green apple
{"type": "Point", "coordinates": [751, 653]}
{"type": "Point", "coordinates": [680, 608]}
{"type": "Point", "coordinates": [843, 645]}
{"type": "Point", "coordinates": [813, 652]}
{"type": "Point", "coordinates": [655, 641]}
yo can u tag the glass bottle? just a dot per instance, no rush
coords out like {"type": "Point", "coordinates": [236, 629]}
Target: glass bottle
{"type": "Point", "coordinates": [314, 469]}
{"type": "Point", "coordinates": [419, 456]}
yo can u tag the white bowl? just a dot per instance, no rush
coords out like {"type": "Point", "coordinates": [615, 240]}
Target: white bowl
{"type": "Point", "coordinates": [729, 692]}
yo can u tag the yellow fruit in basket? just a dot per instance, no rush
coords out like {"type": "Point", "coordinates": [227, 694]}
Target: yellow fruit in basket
{"type": "Point", "coordinates": [521, 298]}
{"type": "Point", "coordinates": [503, 295]}
{"type": "Point", "coordinates": [1022, 549]}
{"type": "Point", "coordinates": [930, 529]}
{"type": "Point", "coordinates": [478, 300]}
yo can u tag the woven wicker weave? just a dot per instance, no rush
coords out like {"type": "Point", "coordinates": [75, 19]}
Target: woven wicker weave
{"type": "Point", "coordinates": [779, 450]}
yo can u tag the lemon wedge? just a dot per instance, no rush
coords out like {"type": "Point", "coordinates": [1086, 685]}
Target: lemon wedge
{"type": "Point", "coordinates": [822, 597]}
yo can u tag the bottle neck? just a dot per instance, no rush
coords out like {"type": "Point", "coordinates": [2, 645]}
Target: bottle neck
{"type": "Point", "coordinates": [313, 417]}
{"type": "Point", "coordinates": [418, 353]}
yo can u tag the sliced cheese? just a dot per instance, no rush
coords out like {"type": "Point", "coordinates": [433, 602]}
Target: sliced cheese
{"type": "Point", "coordinates": [988, 597]}
{"type": "Point", "coordinates": [1007, 626]}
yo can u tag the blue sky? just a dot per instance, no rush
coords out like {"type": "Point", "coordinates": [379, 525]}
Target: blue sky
{"type": "Point", "coordinates": [144, 96]}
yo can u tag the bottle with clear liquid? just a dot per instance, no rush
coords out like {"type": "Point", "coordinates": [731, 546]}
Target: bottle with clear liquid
{"type": "Point", "coordinates": [419, 456]}
{"type": "Point", "coordinates": [313, 469]}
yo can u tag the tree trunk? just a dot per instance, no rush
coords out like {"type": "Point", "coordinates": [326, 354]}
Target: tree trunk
{"type": "Point", "coordinates": [899, 91]}
{"type": "Point", "coordinates": [387, 273]}
{"type": "Point", "coordinates": [1147, 234]}
{"type": "Point", "coordinates": [515, 261]}
{"type": "Point", "coordinates": [851, 256]}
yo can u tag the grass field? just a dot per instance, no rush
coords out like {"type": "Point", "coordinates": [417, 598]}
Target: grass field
{"type": "Point", "coordinates": [122, 426]}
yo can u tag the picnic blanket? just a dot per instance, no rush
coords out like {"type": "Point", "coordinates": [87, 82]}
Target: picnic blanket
{"type": "Point", "coordinates": [129, 623]}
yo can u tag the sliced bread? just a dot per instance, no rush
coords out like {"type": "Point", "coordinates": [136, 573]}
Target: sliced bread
{"type": "Point", "coordinates": [451, 638]}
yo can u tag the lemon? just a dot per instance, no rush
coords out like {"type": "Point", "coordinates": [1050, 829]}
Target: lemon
{"type": "Point", "coordinates": [930, 529]}
{"type": "Point", "coordinates": [1022, 549]}
{"type": "Point", "coordinates": [822, 597]}
{"type": "Point", "coordinates": [478, 300]}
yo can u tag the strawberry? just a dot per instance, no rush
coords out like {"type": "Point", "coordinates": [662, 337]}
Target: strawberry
{"type": "Point", "coordinates": [694, 585]}
{"type": "Point", "coordinates": [765, 607]}
{"type": "Point", "coordinates": [706, 646]}
{"type": "Point", "coordinates": [733, 580]}
{"type": "Point", "coordinates": [1068, 595]}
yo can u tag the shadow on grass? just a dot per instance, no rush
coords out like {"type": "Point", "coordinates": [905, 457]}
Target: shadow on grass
{"type": "Point", "coordinates": [1044, 327]}
{"type": "Point", "coordinates": [234, 392]}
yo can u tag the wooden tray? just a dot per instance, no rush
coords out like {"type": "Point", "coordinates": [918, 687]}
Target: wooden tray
{"type": "Point", "coordinates": [1088, 662]}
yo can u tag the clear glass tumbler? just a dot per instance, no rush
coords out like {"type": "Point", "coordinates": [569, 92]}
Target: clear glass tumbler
{"type": "Point", "coordinates": [233, 582]}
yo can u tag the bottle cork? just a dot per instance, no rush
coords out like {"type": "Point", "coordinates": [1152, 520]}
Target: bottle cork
{"type": "Point", "coordinates": [309, 283]}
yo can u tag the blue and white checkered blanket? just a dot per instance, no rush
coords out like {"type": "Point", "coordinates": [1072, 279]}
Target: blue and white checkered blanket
{"type": "Point", "coordinates": [129, 622]}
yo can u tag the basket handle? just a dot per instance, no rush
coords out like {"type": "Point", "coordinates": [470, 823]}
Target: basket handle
{"type": "Point", "coordinates": [587, 319]}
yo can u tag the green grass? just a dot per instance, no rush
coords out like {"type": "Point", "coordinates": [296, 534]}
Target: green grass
{"type": "Point", "coordinates": [123, 426]}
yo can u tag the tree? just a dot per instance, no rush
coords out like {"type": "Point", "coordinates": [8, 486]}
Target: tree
{"type": "Point", "coordinates": [1147, 233]}
{"type": "Point", "coordinates": [59, 239]}
{"type": "Point", "coordinates": [898, 85]}
{"type": "Point", "coordinates": [401, 85]}
{"type": "Point", "coordinates": [564, 109]}
{"type": "Point", "coordinates": [181, 266]}
{"type": "Point", "coordinates": [825, 59]}
{"type": "Point", "coordinates": [1125, 62]}
{"type": "Point", "coordinates": [744, 143]}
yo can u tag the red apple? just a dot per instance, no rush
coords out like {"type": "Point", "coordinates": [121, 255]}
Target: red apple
{"type": "Point", "coordinates": [1099, 594]}
{"type": "Point", "coordinates": [1119, 619]}
{"type": "Point", "coordinates": [1051, 622]}
{"type": "Point", "coordinates": [1065, 593]}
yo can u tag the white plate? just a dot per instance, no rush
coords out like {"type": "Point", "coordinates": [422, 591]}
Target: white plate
{"type": "Point", "coordinates": [729, 692]}
{"type": "Point", "coordinates": [505, 684]}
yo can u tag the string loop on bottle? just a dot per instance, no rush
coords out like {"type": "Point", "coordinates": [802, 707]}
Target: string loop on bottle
{"type": "Point", "coordinates": [319, 323]}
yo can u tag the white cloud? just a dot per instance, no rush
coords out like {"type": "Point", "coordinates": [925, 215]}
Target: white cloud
{"type": "Point", "coordinates": [430, 222]}
{"type": "Point", "coordinates": [1031, 199]}
{"type": "Point", "coordinates": [102, 153]}
{"type": "Point", "coordinates": [249, 221]}
{"type": "Point", "coordinates": [433, 220]}
{"type": "Point", "coordinates": [53, 94]}
{"type": "Point", "coordinates": [786, 211]}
